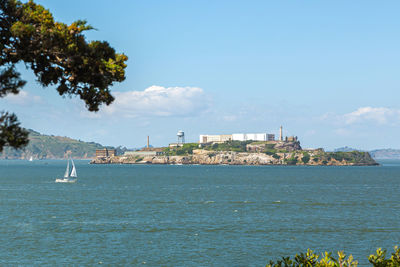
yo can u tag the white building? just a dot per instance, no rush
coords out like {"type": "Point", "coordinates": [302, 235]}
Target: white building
{"type": "Point", "coordinates": [220, 138]}
{"type": "Point", "coordinates": [253, 137]}
{"type": "Point", "coordinates": [236, 137]}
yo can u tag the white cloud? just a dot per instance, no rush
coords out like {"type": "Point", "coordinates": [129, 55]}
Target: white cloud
{"type": "Point", "coordinates": [374, 115]}
{"type": "Point", "coordinates": [23, 98]}
{"type": "Point", "coordinates": [156, 101]}
{"type": "Point", "coordinates": [378, 115]}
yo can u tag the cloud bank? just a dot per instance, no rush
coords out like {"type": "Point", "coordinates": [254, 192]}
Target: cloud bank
{"type": "Point", "coordinates": [23, 98]}
{"type": "Point", "coordinates": [378, 115]}
{"type": "Point", "coordinates": [365, 115]}
{"type": "Point", "coordinates": [158, 101]}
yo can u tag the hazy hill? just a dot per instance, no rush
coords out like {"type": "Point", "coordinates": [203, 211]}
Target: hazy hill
{"type": "Point", "coordinates": [52, 147]}
{"type": "Point", "coordinates": [385, 153]}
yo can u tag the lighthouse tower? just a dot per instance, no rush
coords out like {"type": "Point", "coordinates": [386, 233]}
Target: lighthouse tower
{"type": "Point", "coordinates": [280, 134]}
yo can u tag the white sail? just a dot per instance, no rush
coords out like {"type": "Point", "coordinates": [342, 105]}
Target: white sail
{"type": "Point", "coordinates": [73, 172]}
{"type": "Point", "coordinates": [66, 175]}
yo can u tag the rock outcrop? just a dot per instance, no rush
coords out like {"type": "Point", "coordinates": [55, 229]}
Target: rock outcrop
{"type": "Point", "coordinates": [206, 157]}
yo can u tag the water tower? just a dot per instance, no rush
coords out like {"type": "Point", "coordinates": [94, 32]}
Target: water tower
{"type": "Point", "coordinates": [181, 137]}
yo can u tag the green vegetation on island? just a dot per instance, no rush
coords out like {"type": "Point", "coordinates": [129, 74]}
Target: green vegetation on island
{"type": "Point", "coordinates": [290, 152]}
{"type": "Point", "coordinates": [385, 153]}
{"type": "Point", "coordinates": [185, 149]}
{"type": "Point", "coordinates": [236, 146]}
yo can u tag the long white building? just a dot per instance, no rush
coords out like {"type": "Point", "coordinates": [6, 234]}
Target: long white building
{"type": "Point", "coordinates": [253, 137]}
{"type": "Point", "coordinates": [236, 137]}
{"type": "Point", "coordinates": [220, 138]}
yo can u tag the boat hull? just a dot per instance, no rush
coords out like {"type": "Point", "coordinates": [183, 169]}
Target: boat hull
{"type": "Point", "coordinates": [65, 180]}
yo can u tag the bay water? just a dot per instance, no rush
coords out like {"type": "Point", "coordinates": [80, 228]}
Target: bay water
{"type": "Point", "coordinates": [165, 215]}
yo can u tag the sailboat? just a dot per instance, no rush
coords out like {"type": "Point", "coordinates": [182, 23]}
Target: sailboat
{"type": "Point", "coordinates": [31, 158]}
{"type": "Point", "coordinates": [69, 177]}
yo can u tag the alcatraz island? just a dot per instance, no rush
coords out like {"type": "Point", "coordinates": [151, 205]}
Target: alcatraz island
{"type": "Point", "coordinates": [235, 149]}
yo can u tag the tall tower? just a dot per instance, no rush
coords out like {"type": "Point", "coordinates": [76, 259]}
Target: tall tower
{"type": "Point", "coordinates": [148, 142]}
{"type": "Point", "coordinates": [280, 134]}
{"type": "Point", "coordinates": [181, 137]}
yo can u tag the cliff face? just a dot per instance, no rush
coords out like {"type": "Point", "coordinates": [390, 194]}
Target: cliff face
{"type": "Point", "coordinates": [205, 157]}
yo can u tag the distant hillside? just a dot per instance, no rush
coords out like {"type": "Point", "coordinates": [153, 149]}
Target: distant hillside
{"type": "Point", "coordinates": [52, 147]}
{"type": "Point", "coordinates": [385, 153]}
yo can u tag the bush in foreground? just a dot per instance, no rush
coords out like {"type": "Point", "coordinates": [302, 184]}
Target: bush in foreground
{"type": "Point", "coordinates": [310, 259]}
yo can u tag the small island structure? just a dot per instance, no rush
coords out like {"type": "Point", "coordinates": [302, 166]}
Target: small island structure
{"type": "Point", "coordinates": [239, 149]}
{"type": "Point", "coordinates": [105, 152]}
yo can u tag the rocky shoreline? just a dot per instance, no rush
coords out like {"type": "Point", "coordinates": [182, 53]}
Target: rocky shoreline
{"type": "Point", "coordinates": [206, 157]}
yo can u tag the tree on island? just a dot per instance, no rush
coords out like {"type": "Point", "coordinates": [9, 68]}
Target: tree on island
{"type": "Point", "coordinates": [59, 56]}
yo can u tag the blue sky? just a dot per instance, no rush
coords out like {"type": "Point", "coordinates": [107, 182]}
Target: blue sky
{"type": "Point", "coordinates": [327, 71]}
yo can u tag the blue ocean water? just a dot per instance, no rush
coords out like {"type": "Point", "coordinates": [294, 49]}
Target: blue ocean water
{"type": "Point", "coordinates": [160, 215]}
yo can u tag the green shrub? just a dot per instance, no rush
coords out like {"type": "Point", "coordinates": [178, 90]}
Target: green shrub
{"type": "Point", "coordinates": [237, 146]}
{"type": "Point", "coordinates": [180, 152]}
{"type": "Point", "coordinates": [311, 259]}
{"type": "Point", "coordinates": [291, 161]}
{"type": "Point", "coordinates": [269, 146]}
{"type": "Point", "coordinates": [379, 259]}
{"type": "Point", "coordinates": [352, 156]}
{"type": "Point", "coordinates": [276, 156]}
{"type": "Point", "coordinates": [270, 152]}
{"type": "Point", "coordinates": [306, 158]}
{"type": "Point", "coordinates": [186, 149]}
